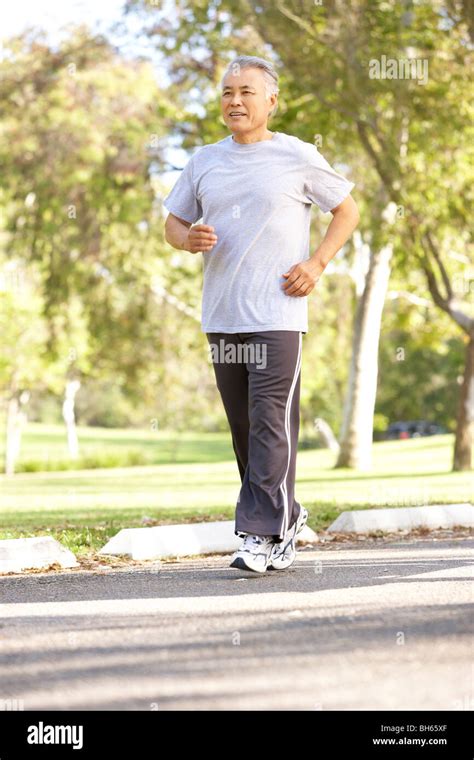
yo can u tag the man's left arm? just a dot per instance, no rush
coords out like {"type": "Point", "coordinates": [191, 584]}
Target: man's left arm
{"type": "Point", "coordinates": [302, 277]}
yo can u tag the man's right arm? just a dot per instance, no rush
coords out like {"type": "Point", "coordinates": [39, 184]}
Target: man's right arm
{"type": "Point", "coordinates": [176, 231]}
{"type": "Point", "coordinates": [187, 237]}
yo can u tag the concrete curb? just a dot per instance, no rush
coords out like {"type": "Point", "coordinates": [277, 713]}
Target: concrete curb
{"type": "Point", "coordinates": [403, 518]}
{"type": "Point", "coordinates": [18, 554]}
{"type": "Point", "coordinates": [182, 540]}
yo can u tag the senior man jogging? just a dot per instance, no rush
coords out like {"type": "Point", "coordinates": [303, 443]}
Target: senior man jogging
{"type": "Point", "coordinates": [253, 191]}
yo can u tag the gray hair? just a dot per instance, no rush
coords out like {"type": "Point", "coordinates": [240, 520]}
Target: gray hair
{"type": "Point", "coordinates": [269, 74]}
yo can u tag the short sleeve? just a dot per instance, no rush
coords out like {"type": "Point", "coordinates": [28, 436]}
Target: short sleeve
{"type": "Point", "coordinates": [323, 185]}
{"type": "Point", "coordinates": [182, 200]}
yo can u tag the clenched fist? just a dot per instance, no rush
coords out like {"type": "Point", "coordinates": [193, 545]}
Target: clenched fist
{"type": "Point", "coordinates": [200, 238]}
{"type": "Point", "coordinates": [302, 277]}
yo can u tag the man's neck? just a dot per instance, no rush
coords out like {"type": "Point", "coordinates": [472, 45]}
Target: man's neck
{"type": "Point", "coordinates": [247, 139]}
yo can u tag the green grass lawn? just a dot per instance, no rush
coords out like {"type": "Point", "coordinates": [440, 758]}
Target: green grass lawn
{"type": "Point", "coordinates": [44, 447]}
{"type": "Point", "coordinates": [197, 479]}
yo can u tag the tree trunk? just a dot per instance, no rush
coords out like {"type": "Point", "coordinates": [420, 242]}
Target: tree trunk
{"type": "Point", "coordinates": [357, 428]}
{"type": "Point", "coordinates": [16, 419]}
{"type": "Point", "coordinates": [326, 434]}
{"type": "Point", "coordinates": [72, 386]}
{"type": "Point", "coordinates": [465, 418]}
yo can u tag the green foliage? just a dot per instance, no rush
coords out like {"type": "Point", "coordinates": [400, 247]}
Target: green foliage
{"type": "Point", "coordinates": [82, 131]}
{"type": "Point", "coordinates": [407, 141]}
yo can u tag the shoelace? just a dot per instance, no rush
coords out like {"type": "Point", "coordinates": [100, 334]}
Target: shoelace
{"type": "Point", "coordinates": [252, 541]}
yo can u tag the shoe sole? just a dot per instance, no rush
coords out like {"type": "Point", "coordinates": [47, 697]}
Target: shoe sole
{"type": "Point", "coordinates": [298, 530]}
{"type": "Point", "coordinates": [239, 563]}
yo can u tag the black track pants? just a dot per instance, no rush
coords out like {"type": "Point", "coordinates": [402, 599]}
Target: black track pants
{"type": "Point", "coordinates": [258, 376]}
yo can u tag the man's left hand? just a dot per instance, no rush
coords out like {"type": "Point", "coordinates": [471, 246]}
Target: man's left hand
{"type": "Point", "coordinates": [301, 278]}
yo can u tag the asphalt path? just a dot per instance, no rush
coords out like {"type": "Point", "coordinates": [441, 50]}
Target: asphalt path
{"type": "Point", "coordinates": [381, 626]}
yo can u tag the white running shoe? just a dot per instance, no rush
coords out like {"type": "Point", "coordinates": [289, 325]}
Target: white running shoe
{"type": "Point", "coordinates": [284, 554]}
{"type": "Point", "coordinates": [253, 553]}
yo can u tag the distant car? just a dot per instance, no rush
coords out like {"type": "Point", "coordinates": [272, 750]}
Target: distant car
{"type": "Point", "coordinates": [413, 429]}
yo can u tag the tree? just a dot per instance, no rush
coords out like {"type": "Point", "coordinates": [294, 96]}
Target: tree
{"type": "Point", "coordinates": [80, 130]}
{"type": "Point", "coordinates": [24, 334]}
{"type": "Point", "coordinates": [332, 58]}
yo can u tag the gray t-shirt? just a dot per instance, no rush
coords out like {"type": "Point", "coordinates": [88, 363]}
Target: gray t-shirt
{"type": "Point", "coordinates": [258, 198]}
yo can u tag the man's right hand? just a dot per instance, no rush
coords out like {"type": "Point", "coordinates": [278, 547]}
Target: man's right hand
{"type": "Point", "coordinates": [200, 238]}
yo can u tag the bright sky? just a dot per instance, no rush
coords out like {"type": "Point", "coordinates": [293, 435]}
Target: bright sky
{"type": "Point", "coordinates": [54, 17]}
{"type": "Point", "coordinates": [53, 14]}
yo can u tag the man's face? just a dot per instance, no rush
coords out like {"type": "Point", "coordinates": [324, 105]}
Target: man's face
{"type": "Point", "coordinates": [244, 93]}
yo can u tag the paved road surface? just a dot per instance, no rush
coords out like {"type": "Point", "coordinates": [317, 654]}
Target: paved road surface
{"type": "Point", "coordinates": [384, 626]}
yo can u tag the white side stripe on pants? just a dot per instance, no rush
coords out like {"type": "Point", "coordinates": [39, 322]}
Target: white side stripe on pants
{"type": "Point", "coordinates": [289, 400]}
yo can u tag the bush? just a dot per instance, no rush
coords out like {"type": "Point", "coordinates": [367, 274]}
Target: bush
{"type": "Point", "coordinates": [129, 458]}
